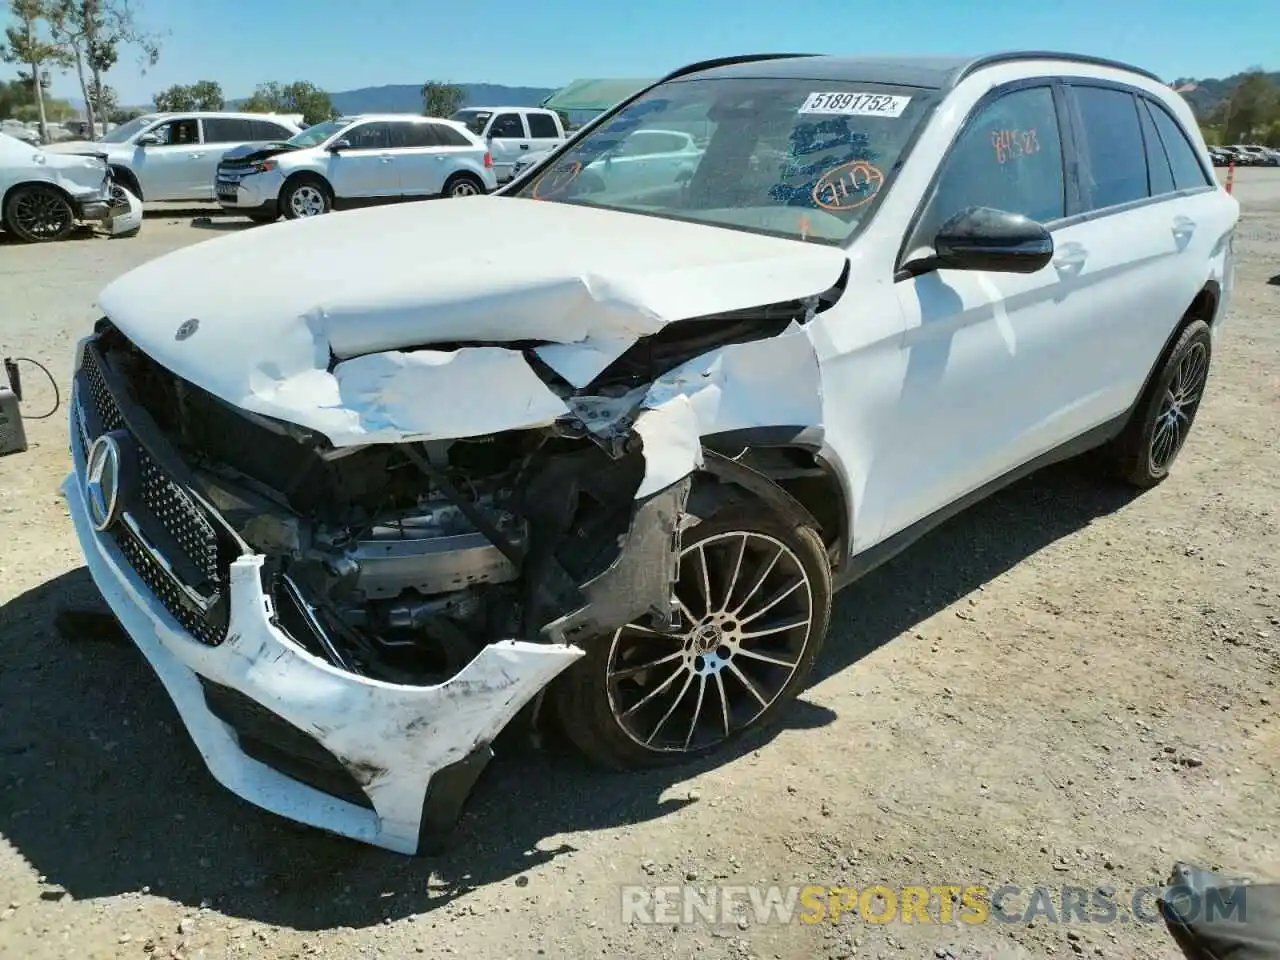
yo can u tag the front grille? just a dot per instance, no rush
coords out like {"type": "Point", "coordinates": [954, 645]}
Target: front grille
{"type": "Point", "coordinates": [273, 741]}
{"type": "Point", "coordinates": [165, 507]}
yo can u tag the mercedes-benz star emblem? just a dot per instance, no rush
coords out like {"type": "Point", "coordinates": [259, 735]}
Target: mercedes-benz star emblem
{"type": "Point", "coordinates": [187, 328]}
{"type": "Point", "coordinates": [102, 482]}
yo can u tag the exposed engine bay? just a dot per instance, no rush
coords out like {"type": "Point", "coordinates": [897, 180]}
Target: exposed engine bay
{"type": "Point", "coordinates": [400, 562]}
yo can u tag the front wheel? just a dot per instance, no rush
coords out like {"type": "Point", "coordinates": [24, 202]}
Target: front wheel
{"type": "Point", "coordinates": [754, 596]}
{"type": "Point", "coordinates": [305, 197]}
{"type": "Point", "coordinates": [39, 214]}
{"type": "Point", "coordinates": [1144, 453]}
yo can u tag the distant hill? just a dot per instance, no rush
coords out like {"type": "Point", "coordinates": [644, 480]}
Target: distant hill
{"type": "Point", "coordinates": [406, 98]}
{"type": "Point", "coordinates": [1205, 96]}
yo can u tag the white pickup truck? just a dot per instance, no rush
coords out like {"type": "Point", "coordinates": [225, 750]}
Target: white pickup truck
{"type": "Point", "coordinates": [513, 132]}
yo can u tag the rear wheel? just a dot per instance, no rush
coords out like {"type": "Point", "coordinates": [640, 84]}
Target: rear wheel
{"type": "Point", "coordinates": [754, 600]}
{"type": "Point", "coordinates": [463, 185]}
{"type": "Point", "coordinates": [39, 214]}
{"type": "Point", "coordinates": [1145, 452]}
{"type": "Point", "coordinates": [305, 197]}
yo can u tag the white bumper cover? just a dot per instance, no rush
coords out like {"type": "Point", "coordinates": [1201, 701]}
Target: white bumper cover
{"type": "Point", "coordinates": [393, 739]}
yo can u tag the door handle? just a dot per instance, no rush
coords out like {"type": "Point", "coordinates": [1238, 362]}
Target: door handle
{"type": "Point", "coordinates": [1183, 227]}
{"type": "Point", "coordinates": [524, 146]}
{"type": "Point", "coordinates": [1070, 258]}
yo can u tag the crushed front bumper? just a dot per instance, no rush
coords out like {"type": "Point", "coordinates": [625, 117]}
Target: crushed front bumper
{"type": "Point", "coordinates": [382, 763]}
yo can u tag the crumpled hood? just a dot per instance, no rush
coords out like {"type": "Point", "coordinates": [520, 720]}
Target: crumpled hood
{"type": "Point", "coordinates": [258, 150]}
{"type": "Point", "coordinates": [90, 148]}
{"type": "Point", "coordinates": [273, 305]}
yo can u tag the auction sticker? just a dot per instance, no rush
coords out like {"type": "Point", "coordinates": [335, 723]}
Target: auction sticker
{"type": "Point", "coordinates": [855, 104]}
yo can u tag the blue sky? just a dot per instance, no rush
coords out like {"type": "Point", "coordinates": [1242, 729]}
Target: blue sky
{"type": "Point", "coordinates": [343, 45]}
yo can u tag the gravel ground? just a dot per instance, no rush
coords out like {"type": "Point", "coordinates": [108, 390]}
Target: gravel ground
{"type": "Point", "coordinates": [1068, 685]}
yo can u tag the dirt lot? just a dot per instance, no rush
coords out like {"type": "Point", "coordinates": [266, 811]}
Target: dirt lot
{"type": "Point", "coordinates": [1066, 686]}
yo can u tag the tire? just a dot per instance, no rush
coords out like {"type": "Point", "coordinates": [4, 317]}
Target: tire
{"type": "Point", "coordinates": [264, 217]}
{"type": "Point", "coordinates": [39, 214]}
{"type": "Point", "coordinates": [463, 185]}
{"type": "Point", "coordinates": [305, 197]}
{"type": "Point", "coordinates": [607, 720]}
{"type": "Point", "coordinates": [1145, 451]}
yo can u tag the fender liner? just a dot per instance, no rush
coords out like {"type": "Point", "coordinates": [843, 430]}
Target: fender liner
{"type": "Point", "coordinates": [747, 478]}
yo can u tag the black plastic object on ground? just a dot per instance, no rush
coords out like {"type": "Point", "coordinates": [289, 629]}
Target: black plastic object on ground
{"type": "Point", "coordinates": [1213, 918]}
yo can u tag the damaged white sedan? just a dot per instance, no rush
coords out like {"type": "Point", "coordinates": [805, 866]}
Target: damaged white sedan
{"type": "Point", "coordinates": [361, 488]}
{"type": "Point", "coordinates": [43, 194]}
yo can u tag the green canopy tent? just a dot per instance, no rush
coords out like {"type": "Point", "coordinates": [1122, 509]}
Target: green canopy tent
{"type": "Point", "coordinates": [585, 98]}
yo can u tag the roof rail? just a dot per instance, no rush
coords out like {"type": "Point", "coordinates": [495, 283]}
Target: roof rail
{"type": "Point", "coordinates": [1013, 56]}
{"type": "Point", "coordinates": [730, 61]}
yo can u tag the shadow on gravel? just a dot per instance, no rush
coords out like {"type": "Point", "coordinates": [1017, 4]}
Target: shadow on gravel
{"type": "Point", "coordinates": [222, 224]}
{"type": "Point", "coordinates": [1275, 281]}
{"type": "Point", "coordinates": [103, 793]}
{"type": "Point", "coordinates": [81, 231]}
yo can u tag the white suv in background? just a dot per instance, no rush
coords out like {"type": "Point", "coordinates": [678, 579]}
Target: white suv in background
{"type": "Point", "coordinates": [513, 133]}
{"type": "Point", "coordinates": [354, 161]}
{"type": "Point", "coordinates": [173, 156]}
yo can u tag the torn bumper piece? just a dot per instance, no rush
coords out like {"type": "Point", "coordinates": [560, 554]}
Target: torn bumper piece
{"type": "Point", "coordinates": [402, 758]}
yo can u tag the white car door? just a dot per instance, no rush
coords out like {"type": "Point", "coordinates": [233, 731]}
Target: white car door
{"type": "Point", "coordinates": [508, 141]}
{"type": "Point", "coordinates": [422, 161]}
{"type": "Point", "coordinates": [1148, 241]}
{"type": "Point", "coordinates": [366, 166]}
{"type": "Point", "coordinates": [544, 131]}
{"type": "Point", "coordinates": [174, 167]}
{"type": "Point", "coordinates": [992, 361]}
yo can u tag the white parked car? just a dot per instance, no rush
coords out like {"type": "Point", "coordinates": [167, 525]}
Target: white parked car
{"type": "Point", "coordinates": [363, 487]}
{"type": "Point", "coordinates": [513, 133]}
{"type": "Point", "coordinates": [351, 161]}
{"type": "Point", "coordinates": [43, 195]}
{"type": "Point", "coordinates": [173, 156]}
{"type": "Point", "coordinates": [653, 157]}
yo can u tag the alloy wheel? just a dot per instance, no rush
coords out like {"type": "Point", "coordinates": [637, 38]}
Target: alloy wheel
{"type": "Point", "coordinates": [1178, 407]}
{"type": "Point", "coordinates": [41, 215]}
{"type": "Point", "coordinates": [746, 611]}
{"type": "Point", "coordinates": [464, 188]}
{"type": "Point", "coordinates": [307, 201]}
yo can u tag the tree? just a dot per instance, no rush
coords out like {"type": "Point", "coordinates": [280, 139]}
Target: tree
{"type": "Point", "coordinates": [24, 44]}
{"type": "Point", "coordinates": [442, 99]}
{"type": "Point", "coordinates": [297, 97]}
{"type": "Point", "coordinates": [1252, 106]}
{"type": "Point", "coordinates": [91, 33]}
{"type": "Point", "coordinates": [208, 95]}
{"type": "Point", "coordinates": [174, 99]}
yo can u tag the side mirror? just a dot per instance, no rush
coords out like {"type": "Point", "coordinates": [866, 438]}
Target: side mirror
{"type": "Point", "coordinates": [339, 145]}
{"type": "Point", "coordinates": [148, 140]}
{"type": "Point", "coordinates": [981, 238]}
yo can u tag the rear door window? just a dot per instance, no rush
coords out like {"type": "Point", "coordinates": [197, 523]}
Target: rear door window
{"type": "Point", "coordinates": [369, 136]}
{"type": "Point", "coordinates": [266, 130]}
{"type": "Point", "coordinates": [1112, 146]}
{"type": "Point", "coordinates": [415, 135]}
{"type": "Point", "coordinates": [450, 137]}
{"type": "Point", "coordinates": [542, 126]}
{"type": "Point", "coordinates": [227, 130]}
{"type": "Point", "coordinates": [1187, 171]}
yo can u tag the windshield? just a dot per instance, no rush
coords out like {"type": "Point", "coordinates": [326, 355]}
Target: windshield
{"type": "Point", "coordinates": [314, 136]}
{"type": "Point", "coordinates": [795, 158]}
{"type": "Point", "coordinates": [474, 120]}
{"type": "Point", "coordinates": [125, 131]}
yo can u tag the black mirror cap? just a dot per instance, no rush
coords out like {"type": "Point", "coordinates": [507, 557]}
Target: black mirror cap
{"type": "Point", "coordinates": [981, 238]}
{"type": "Point", "coordinates": [339, 145]}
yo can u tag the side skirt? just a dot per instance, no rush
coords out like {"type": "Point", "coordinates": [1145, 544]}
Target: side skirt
{"type": "Point", "coordinates": [863, 563]}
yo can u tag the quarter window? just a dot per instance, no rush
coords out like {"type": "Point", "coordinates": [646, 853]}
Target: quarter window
{"type": "Point", "coordinates": [1187, 171]}
{"type": "Point", "coordinates": [1112, 145]}
{"type": "Point", "coordinates": [1157, 162]}
{"type": "Point", "coordinates": [266, 130]}
{"type": "Point", "coordinates": [450, 137]}
{"type": "Point", "coordinates": [1008, 157]}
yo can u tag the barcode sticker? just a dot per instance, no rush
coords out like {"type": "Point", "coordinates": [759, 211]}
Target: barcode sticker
{"type": "Point", "coordinates": [855, 104]}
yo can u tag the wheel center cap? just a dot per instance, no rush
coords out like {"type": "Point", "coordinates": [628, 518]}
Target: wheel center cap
{"type": "Point", "coordinates": [707, 638]}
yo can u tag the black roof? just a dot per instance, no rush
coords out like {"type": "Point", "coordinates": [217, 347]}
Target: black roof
{"type": "Point", "coordinates": [935, 73]}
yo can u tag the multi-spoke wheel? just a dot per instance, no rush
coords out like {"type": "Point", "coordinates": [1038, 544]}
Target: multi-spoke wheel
{"type": "Point", "coordinates": [39, 214]}
{"type": "Point", "coordinates": [754, 600]}
{"type": "Point", "coordinates": [1144, 453]}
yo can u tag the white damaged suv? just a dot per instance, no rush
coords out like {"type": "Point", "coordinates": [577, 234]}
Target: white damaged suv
{"type": "Point", "coordinates": [362, 487]}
